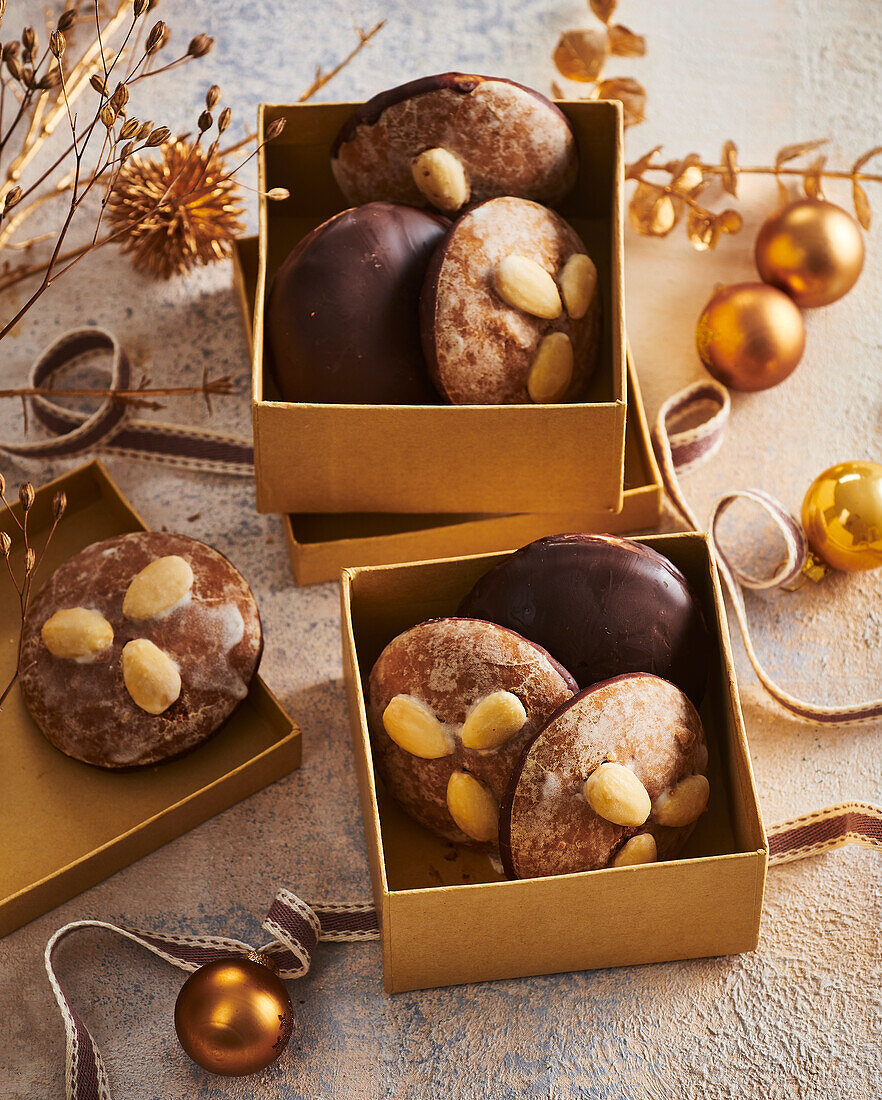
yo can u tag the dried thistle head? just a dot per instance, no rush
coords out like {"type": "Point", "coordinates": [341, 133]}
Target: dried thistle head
{"type": "Point", "coordinates": [192, 226]}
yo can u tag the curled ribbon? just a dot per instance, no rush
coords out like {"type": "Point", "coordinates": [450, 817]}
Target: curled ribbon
{"type": "Point", "coordinates": [296, 929]}
{"type": "Point", "coordinates": [111, 428]}
{"type": "Point", "coordinates": [707, 406]}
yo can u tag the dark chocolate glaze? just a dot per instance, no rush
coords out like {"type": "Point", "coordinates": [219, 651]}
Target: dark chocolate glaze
{"type": "Point", "coordinates": [368, 113]}
{"type": "Point", "coordinates": [342, 317]}
{"type": "Point", "coordinates": [603, 606]}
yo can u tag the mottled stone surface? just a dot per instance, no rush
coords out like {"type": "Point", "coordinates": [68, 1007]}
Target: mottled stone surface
{"type": "Point", "coordinates": [799, 1018]}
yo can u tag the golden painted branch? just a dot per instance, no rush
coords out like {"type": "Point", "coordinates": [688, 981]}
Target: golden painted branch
{"type": "Point", "coordinates": [322, 78]}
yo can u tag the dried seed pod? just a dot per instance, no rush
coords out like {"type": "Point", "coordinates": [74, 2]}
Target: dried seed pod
{"type": "Point", "coordinates": [50, 79]}
{"type": "Point", "coordinates": [107, 114]}
{"type": "Point", "coordinates": [129, 128]}
{"type": "Point", "coordinates": [156, 38]}
{"type": "Point", "coordinates": [200, 45]}
{"type": "Point", "coordinates": [212, 97]}
{"type": "Point", "coordinates": [160, 135]}
{"type": "Point", "coordinates": [139, 7]}
{"type": "Point", "coordinates": [56, 44]}
{"type": "Point", "coordinates": [59, 503]}
{"type": "Point", "coordinates": [5, 543]}
{"type": "Point", "coordinates": [26, 495]}
{"type": "Point", "coordinates": [224, 120]}
{"type": "Point", "coordinates": [205, 121]}
{"type": "Point", "coordinates": [67, 19]}
{"type": "Point", "coordinates": [145, 130]}
{"type": "Point", "coordinates": [275, 128]}
{"type": "Point", "coordinates": [120, 96]}
{"type": "Point", "coordinates": [98, 84]}
{"type": "Point", "coordinates": [13, 197]}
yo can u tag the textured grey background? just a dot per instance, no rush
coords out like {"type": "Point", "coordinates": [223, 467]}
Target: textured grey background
{"type": "Point", "coordinates": [800, 1017]}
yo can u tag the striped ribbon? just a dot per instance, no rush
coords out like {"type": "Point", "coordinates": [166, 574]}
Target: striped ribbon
{"type": "Point", "coordinates": [296, 929]}
{"type": "Point", "coordinates": [112, 429]}
{"type": "Point", "coordinates": [706, 405]}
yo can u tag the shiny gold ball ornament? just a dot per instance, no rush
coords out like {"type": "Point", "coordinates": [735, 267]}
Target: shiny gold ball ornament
{"type": "Point", "coordinates": [750, 336]}
{"type": "Point", "coordinates": [812, 250]}
{"type": "Point", "coordinates": [234, 1016]}
{"type": "Point", "coordinates": [842, 516]}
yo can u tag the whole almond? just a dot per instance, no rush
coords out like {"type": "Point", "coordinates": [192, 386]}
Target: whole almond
{"type": "Point", "coordinates": [473, 807]}
{"type": "Point", "coordinates": [578, 281]}
{"type": "Point", "coordinates": [76, 633]}
{"type": "Point", "coordinates": [616, 794]}
{"type": "Point", "coordinates": [552, 369]}
{"type": "Point", "coordinates": [684, 804]}
{"type": "Point", "coordinates": [158, 587]}
{"type": "Point", "coordinates": [524, 284]}
{"type": "Point", "coordinates": [493, 721]}
{"type": "Point", "coordinates": [414, 728]}
{"type": "Point", "coordinates": [639, 849]}
{"type": "Point", "coordinates": [151, 676]}
{"type": "Point", "coordinates": [441, 178]}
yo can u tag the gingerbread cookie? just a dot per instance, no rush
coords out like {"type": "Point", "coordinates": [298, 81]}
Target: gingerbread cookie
{"type": "Point", "coordinates": [453, 139]}
{"type": "Point", "coordinates": [342, 316]}
{"type": "Point", "coordinates": [615, 778]}
{"type": "Point", "coordinates": [510, 309]}
{"type": "Point", "coordinates": [452, 702]}
{"type": "Point", "coordinates": [602, 606]}
{"type": "Point", "coordinates": [138, 648]}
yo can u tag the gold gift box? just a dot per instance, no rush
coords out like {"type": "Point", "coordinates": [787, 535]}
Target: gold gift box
{"type": "Point", "coordinates": [448, 921]}
{"type": "Point", "coordinates": [64, 826]}
{"type": "Point", "coordinates": [440, 458]}
{"type": "Point", "coordinates": [320, 544]}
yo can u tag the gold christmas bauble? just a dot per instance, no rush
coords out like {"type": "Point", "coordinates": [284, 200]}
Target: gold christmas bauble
{"type": "Point", "coordinates": [234, 1016]}
{"type": "Point", "coordinates": [842, 516]}
{"type": "Point", "coordinates": [750, 336]}
{"type": "Point", "coordinates": [812, 250]}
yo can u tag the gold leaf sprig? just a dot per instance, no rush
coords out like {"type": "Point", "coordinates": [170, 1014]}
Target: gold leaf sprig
{"type": "Point", "coordinates": [581, 55]}
{"type": "Point", "coordinates": [656, 207]}
{"type": "Point", "coordinates": [24, 579]}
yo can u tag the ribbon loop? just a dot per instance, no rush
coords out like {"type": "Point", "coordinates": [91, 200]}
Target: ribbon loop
{"type": "Point", "coordinates": [795, 542]}
{"type": "Point", "coordinates": [111, 428]}
{"type": "Point", "coordinates": [679, 451]}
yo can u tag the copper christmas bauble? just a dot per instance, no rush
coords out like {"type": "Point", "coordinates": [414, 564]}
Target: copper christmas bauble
{"type": "Point", "coordinates": [812, 250]}
{"type": "Point", "coordinates": [234, 1016]}
{"type": "Point", "coordinates": [842, 516]}
{"type": "Point", "coordinates": [750, 336]}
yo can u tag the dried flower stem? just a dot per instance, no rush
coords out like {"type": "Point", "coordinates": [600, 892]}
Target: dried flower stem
{"type": "Point", "coordinates": [217, 387]}
{"type": "Point", "coordinates": [32, 563]}
{"type": "Point", "coordinates": [323, 78]}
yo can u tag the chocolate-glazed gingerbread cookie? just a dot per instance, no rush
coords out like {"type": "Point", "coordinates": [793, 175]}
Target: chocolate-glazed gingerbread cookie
{"type": "Point", "coordinates": [342, 316]}
{"type": "Point", "coordinates": [615, 778]}
{"type": "Point", "coordinates": [602, 606]}
{"type": "Point", "coordinates": [453, 139]}
{"type": "Point", "coordinates": [510, 310]}
{"type": "Point", "coordinates": [452, 702]}
{"type": "Point", "coordinates": [138, 648]}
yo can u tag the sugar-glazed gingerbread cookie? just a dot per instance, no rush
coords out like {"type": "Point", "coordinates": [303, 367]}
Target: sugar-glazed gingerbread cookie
{"type": "Point", "coordinates": [452, 702]}
{"type": "Point", "coordinates": [510, 308]}
{"type": "Point", "coordinates": [138, 648]}
{"type": "Point", "coordinates": [615, 777]}
{"type": "Point", "coordinates": [453, 139]}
